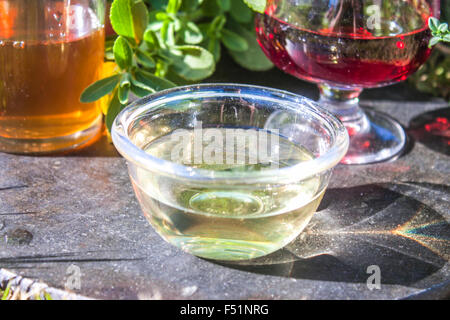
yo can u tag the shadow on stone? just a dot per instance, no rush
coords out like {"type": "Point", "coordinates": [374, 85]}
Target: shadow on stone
{"type": "Point", "coordinates": [362, 226]}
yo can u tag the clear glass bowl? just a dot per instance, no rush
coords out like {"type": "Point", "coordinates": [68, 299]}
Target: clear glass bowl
{"type": "Point", "coordinates": [226, 171]}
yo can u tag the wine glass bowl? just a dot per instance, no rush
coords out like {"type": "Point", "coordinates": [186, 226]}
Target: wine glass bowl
{"type": "Point", "coordinates": [345, 46]}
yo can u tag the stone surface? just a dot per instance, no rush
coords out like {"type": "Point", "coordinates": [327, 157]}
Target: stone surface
{"type": "Point", "coordinates": [80, 209]}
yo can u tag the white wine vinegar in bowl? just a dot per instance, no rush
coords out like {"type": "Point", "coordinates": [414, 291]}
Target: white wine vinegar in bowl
{"type": "Point", "coordinates": [229, 172]}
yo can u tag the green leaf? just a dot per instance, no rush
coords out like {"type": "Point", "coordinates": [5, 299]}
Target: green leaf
{"type": "Point", "coordinates": [447, 38]}
{"type": "Point", "coordinates": [6, 292]}
{"type": "Point", "coordinates": [129, 18]}
{"type": "Point", "coordinates": [152, 81]}
{"type": "Point", "coordinates": [161, 16]}
{"type": "Point", "coordinates": [175, 78]}
{"type": "Point", "coordinates": [123, 53]}
{"type": "Point", "coordinates": [161, 68]}
{"type": "Point", "coordinates": [216, 26]}
{"type": "Point", "coordinates": [173, 6]}
{"type": "Point", "coordinates": [99, 89]}
{"type": "Point", "coordinates": [151, 40]}
{"type": "Point", "coordinates": [124, 93]}
{"type": "Point", "coordinates": [254, 58]}
{"type": "Point", "coordinates": [211, 8]}
{"type": "Point", "coordinates": [113, 110]}
{"type": "Point", "coordinates": [211, 43]}
{"type": "Point", "coordinates": [121, 17]}
{"type": "Point", "coordinates": [125, 80]}
{"type": "Point", "coordinates": [233, 41]}
{"type": "Point", "coordinates": [155, 25]}
{"type": "Point", "coordinates": [124, 89]}
{"type": "Point", "coordinates": [140, 19]}
{"type": "Point", "coordinates": [443, 27]}
{"type": "Point", "coordinates": [145, 59]}
{"type": "Point", "coordinates": [192, 34]}
{"type": "Point", "coordinates": [141, 85]}
{"type": "Point", "coordinates": [192, 62]}
{"type": "Point", "coordinates": [215, 48]}
{"type": "Point", "coordinates": [434, 41]}
{"type": "Point", "coordinates": [240, 12]}
{"type": "Point", "coordinates": [138, 91]}
{"type": "Point", "coordinates": [433, 24]}
{"type": "Point", "coordinates": [178, 24]}
{"type": "Point", "coordinates": [257, 5]}
{"type": "Point", "coordinates": [168, 33]}
{"type": "Point", "coordinates": [224, 4]}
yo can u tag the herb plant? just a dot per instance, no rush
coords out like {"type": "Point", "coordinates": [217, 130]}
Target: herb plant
{"type": "Point", "coordinates": [164, 43]}
{"type": "Point", "coordinates": [440, 31]}
{"type": "Point", "coordinates": [434, 76]}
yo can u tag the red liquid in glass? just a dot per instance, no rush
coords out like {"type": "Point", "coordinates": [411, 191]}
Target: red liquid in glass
{"type": "Point", "coordinates": [346, 59]}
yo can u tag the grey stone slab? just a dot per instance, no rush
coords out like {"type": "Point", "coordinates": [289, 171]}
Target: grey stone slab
{"type": "Point", "coordinates": [79, 209]}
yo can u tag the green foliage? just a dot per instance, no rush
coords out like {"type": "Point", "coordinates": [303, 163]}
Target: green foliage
{"type": "Point", "coordinates": [233, 41]}
{"type": "Point", "coordinates": [161, 41]}
{"type": "Point", "coordinates": [434, 76]}
{"type": "Point", "coordinates": [164, 43]}
{"type": "Point", "coordinates": [440, 31]}
{"type": "Point", "coordinates": [240, 12]}
{"type": "Point", "coordinates": [99, 89]}
{"type": "Point", "coordinates": [257, 5]}
{"type": "Point", "coordinates": [191, 62]}
{"type": "Point", "coordinates": [253, 58]}
{"type": "Point", "coordinates": [123, 54]}
{"type": "Point", "coordinates": [151, 81]}
{"type": "Point", "coordinates": [114, 108]}
{"type": "Point", "coordinates": [5, 294]}
{"type": "Point", "coordinates": [14, 293]}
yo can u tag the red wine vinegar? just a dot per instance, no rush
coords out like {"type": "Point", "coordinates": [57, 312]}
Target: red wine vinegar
{"type": "Point", "coordinates": [348, 59]}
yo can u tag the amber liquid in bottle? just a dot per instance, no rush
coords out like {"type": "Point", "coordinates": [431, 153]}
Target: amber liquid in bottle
{"type": "Point", "coordinates": [41, 80]}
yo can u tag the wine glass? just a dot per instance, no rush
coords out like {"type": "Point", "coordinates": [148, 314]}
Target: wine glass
{"type": "Point", "coordinates": [345, 46]}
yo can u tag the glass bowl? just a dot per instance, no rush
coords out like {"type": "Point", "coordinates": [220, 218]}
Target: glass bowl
{"type": "Point", "coordinates": [227, 171]}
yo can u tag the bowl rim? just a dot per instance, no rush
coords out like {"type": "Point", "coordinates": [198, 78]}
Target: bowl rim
{"type": "Point", "coordinates": [288, 100]}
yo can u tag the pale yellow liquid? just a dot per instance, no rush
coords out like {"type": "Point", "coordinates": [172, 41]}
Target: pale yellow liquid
{"type": "Point", "coordinates": [228, 222]}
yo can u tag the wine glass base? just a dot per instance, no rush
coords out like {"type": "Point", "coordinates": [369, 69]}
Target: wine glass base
{"type": "Point", "coordinates": [374, 138]}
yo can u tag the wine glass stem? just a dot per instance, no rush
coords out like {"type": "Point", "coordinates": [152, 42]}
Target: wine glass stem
{"type": "Point", "coordinates": [343, 103]}
{"type": "Point", "coordinates": [374, 137]}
